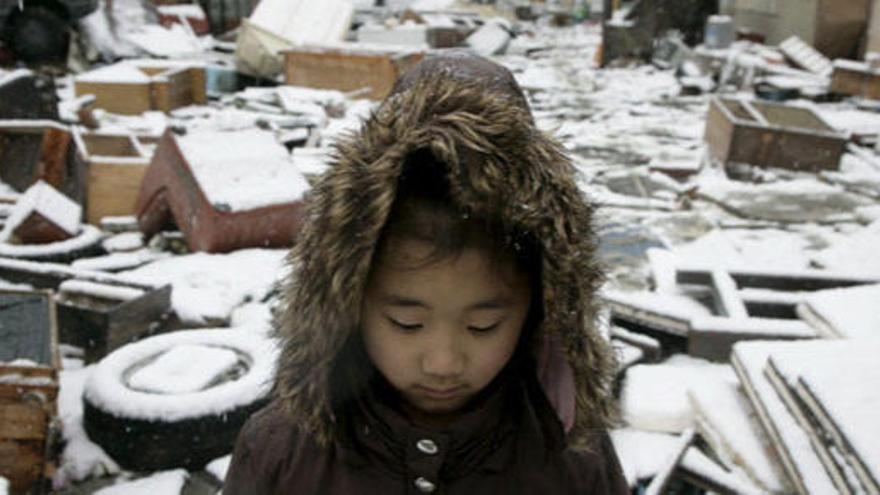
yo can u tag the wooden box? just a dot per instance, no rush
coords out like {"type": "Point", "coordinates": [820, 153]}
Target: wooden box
{"type": "Point", "coordinates": [772, 135]}
{"type": "Point", "coordinates": [28, 392]}
{"type": "Point", "coordinates": [116, 166]}
{"type": "Point", "coordinates": [855, 79]}
{"type": "Point", "coordinates": [349, 67]}
{"type": "Point", "coordinates": [136, 86]}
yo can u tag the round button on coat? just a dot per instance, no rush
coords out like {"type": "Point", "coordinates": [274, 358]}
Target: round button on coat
{"type": "Point", "coordinates": [427, 446]}
{"type": "Point", "coordinates": [424, 485]}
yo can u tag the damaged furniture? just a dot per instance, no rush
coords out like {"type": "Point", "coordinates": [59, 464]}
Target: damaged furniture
{"type": "Point", "coordinates": [31, 150]}
{"type": "Point", "coordinates": [97, 311]}
{"type": "Point", "coordinates": [855, 78]}
{"type": "Point", "coordinates": [29, 364]}
{"type": "Point", "coordinates": [765, 134]}
{"type": "Point", "coordinates": [351, 67]}
{"type": "Point", "coordinates": [116, 166]}
{"type": "Point", "coordinates": [136, 86]}
{"type": "Point", "coordinates": [223, 190]}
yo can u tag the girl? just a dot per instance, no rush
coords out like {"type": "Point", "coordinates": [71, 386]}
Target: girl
{"type": "Point", "coordinates": [437, 329]}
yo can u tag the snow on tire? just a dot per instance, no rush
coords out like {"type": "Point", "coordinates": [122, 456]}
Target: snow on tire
{"type": "Point", "coordinates": [177, 399]}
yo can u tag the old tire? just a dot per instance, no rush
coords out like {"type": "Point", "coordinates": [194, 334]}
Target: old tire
{"type": "Point", "coordinates": [144, 431]}
{"type": "Point", "coordinates": [38, 34]}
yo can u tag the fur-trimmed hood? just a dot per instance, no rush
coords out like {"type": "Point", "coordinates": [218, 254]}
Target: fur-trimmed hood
{"type": "Point", "coordinates": [472, 116]}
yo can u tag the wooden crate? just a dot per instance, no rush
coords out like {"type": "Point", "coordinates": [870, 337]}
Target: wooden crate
{"type": "Point", "coordinates": [116, 166]}
{"type": "Point", "coordinates": [772, 135]}
{"type": "Point", "coordinates": [855, 79]}
{"type": "Point", "coordinates": [40, 149]}
{"type": "Point", "coordinates": [141, 86]}
{"type": "Point", "coordinates": [28, 394]}
{"type": "Point", "coordinates": [348, 67]}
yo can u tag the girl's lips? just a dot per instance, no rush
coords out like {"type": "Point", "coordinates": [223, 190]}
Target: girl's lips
{"type": "Point", "coordinates": [440, 394]}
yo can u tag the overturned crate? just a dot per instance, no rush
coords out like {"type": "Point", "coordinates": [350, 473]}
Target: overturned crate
{"type": "Point", "coordinates": [31, 150]}
{"type": "Point", "coordinates": [224, 191]}
{"type": "Point", "coordinates": [855, 78]}
{"type": "Point", "coordinates": [97, 311]}
{"type": "Point", "coordinates": [29, 365]}
{"type": "Point", "coordinates": [349, 67]}
{"type": "Point", "coordinates": [765, 134]}
{"type": "Point", "coordinates": [136, 86]}
{"type": "Point", "coordinates": [116, 166]}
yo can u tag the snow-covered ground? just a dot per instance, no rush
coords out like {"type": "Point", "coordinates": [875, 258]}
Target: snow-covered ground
{"type": "Point", "coordinates": [621, 126]}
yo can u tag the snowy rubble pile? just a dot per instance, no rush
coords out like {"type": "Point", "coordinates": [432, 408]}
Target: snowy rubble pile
{"type": "Point", "coordinates": [698, 263]}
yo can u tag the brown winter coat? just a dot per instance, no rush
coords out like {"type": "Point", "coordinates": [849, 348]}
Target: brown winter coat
{"type": "Point", "coordinates": [472, 116]}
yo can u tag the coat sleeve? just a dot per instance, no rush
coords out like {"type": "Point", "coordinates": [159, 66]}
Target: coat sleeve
{"type": "Point", "coordinates": [248, 473]}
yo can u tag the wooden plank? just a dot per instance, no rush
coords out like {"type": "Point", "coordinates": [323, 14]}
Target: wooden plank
{"type": "Point", "coordinates": [113, 189]}
{"type": "Point", "coordinates": [22, 422]}
{"type": "Point", "coordinates": [345, 70]}
{"type": "Point", "coordinates": [22, 463]}
{"type": "Point", "coordinates": [129, 98]}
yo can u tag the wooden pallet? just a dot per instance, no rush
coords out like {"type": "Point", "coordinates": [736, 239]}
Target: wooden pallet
{"type": "Point", "coordinates": [28, 394]}
{"type": "Point", "coordinates": [772, 135]}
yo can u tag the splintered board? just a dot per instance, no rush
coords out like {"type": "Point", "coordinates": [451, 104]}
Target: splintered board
{"type": "Point", "coordinates": [772, 135]}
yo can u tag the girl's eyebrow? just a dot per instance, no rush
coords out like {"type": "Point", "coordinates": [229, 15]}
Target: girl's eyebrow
{"type": "Point", "coordinates": [498, 302]}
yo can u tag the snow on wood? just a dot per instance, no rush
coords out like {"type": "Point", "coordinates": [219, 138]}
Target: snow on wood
{"type": "Point", "coordinates": [406, 34]}
{"type": "Point", "coordinates": [641, 453]}
{"type": "Point", "coordinates": [101, 291]}
{"type": "Point", "coordinates": [726, 421]}
{"type": "Point", "coordinates": [836, 382]}
{"type": "Point", "coordinates": [120, 261]}
{"type": "Point", "coordinates": [792, 444]}
{"type": "Point", "coordinates": [669, 312]}
{"type": "Point", "coordinates": [301, 22]}
{"type": "Point", "coordinates": [843, 313]}
{"type": "Point", "coordinates": [856, 253]}
{"type": "Point", "coordinates": [162, 482]}
{"type": "Point", "coordinates": [55, 273]}
{"type": "Point", "coordinates": [662, 479]}
{"type": "Point", "coordinates": [107, 387]}
{"type": "Point", "coordinates": [243, 170]}
{"type": "Point", "coordinates": [654, 397]}
{"type": "Point", "coordinates": [50, 206]}
{"type": "Point", "coordinates": [721, 480]}
{"type": "Point", "coordinates": [491, 38]}
{"type": "Point", "coordinates": [173, 371]}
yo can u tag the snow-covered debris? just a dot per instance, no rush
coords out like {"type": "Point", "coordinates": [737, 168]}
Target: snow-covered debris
{"type": "Point", "coordinates": [655, 396]}
{"type": "Point", "coordinates": [88, 236]}
{"type": "Point", "coordinates": [726, 421]}
{"type": "Point", "coordinates": [789, 440]}
{"type": "Point", "coordinates": [854, 253]}
{"type": "Point", "coordinates": [120, 261]}
{"type": "Point", "coordinates": [844, 313]}
{"type": "Point", "coordinates": [166, 482]}
{"type": "Point", "coordinates": [100, 291]}
{"type": "Point", "coordinates": [207, 287]}
{"type": "Point", "coordinates": [831, 389]}
{"type": "Point", "coordinates": [129, 241]}
{"type": "Point", "coordinates": [52, 209]}
{"type": "Point", "coordinates": [244, 170]}
{"type": "Point", "coordinates": [80, 458]}
{"type": "Point", "coordinates": [696, 462]}
{"type": "Point", "coordinates": [641, 452]}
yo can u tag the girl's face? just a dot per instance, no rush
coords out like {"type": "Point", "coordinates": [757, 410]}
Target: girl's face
{"type": "Point", "coordinates": [440, 332]}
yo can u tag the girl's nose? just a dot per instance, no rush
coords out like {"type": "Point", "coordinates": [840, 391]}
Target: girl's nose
{"type": "Point", "coordinates": [443, 358]}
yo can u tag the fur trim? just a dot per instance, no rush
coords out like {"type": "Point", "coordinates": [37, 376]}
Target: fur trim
{"type": "Point", "coordinates": [499, 163]}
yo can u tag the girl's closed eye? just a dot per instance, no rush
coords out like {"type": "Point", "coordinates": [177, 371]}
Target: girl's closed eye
{"type": "Point", "coordinates": [404, 325]}
{"type": "Point", "coordinates": [485, 328]}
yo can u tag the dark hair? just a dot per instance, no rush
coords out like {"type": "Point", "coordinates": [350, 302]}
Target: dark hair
{"type": "Point", "coordinates": [424, 210]}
